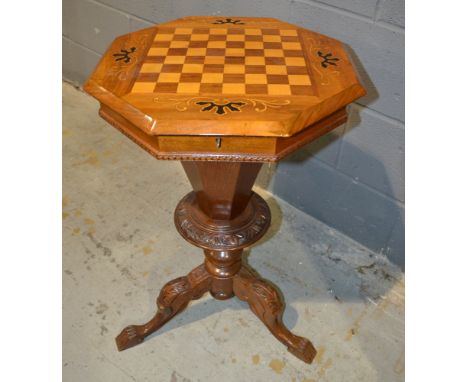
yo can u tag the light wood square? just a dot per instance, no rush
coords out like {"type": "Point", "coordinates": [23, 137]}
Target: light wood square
{"type": "Point", "coordinates": [254, 45]}
{"type": "Point", "coordinates": [174, 60]}
{"type": "Point", "coordinates": [179, 44]}
{"type": "Point", "coordinates": [298, 79]}
{"type": "Point", "coordinates": [218, 31]}
{"type": "Point", "coordinates": [214, 60]}
{"type": "Point", "coordinates": [212, 78]}
{"type": "Point", "coordinates": [237, 52]}
{"type": "Point", "coordinates": [288, 32]}
{"type": "Point", "coordinates": [274, 53]}
{"type": "Point", "coordinates": [216, 44]}
{"type": "Point", "coordinates": [292, 45]}
{"type": "Point", "coordinates": [163, 37]}
{"type": "Point", "coordinates": [234, 69]}
{"type": "Point", "coordinates": [233, 89]}
{"type": "Point", "coordinates": [235, 37]}
{"type": "Point", "coordinates": [271, 38]}
{"type": "Point", "coordinates": [199, 37]}
{"type": "Point", "coordinates": [158, 51]}
{"type": "Point", "coordinates": [295, 61]}
{"type": "Point", "coordinates": [169, 77]}
{"type": "Point", "coordinates": [192, 68]}
{"type": "Point", "coordinates": [276, 69]}
{"type": "Point", "coordinates": [150, 68]}
{"type": "Point", "coordinates": [253, 32]}
{"type": "Point", "coordinates": [196, 52]}
{"type": "Point", "coordinates": [188, 87]}
{"type": "Point", "coordinates": [254, 60]}
{"type": "Point", "coordinates": [256, 79]}
{"type": "Point", "coordinates": [276, 89]}
{"type": "Point", "coordinates": [143, 87]}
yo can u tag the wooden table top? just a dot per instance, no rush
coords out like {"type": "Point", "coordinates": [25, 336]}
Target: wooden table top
{"type": "Point", "coordinates": [243, 76]}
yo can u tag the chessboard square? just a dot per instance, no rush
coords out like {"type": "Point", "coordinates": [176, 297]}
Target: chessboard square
{"type": "Point", "coordinates": [195, 60]}
{"type": "Point", "coordinates": [234, 69]}
{"type": "Point", "coordinates": [256, 89]}
{"type": "Point", "coordinates": [234, 60]}
{"type": "Point", "coordinates": [255, 79]}
{"type": "Point", "coordinates": [251, 31]}
{"type": "Point", "coordinates": [161, 44]}
{"type": "Point", "coordinates": [143, 87]}
{"type": "Point", "coordinates": [238, 52]}
{"type": "Point", "coordinates": [233, 78]}
{"type": "Point", "coordinates": [182, 37]}
{"type": "Point", "coordinates": [150, 68]}
{"type": "Point", "coordinates": [276, 69]}
{"type": "Point", "coordinates": [255, 69]}
{"type": "Point", "coordinates": [166, 87]}
{"type": "Point", "coordinates": [270, 31]}
{"type": "Point", "coordinates": [158, 51]}
{"type": "Point", "coordinates": [277, 79]}
{"type": "Point", "coordinates": [188, 88]}
{"type": "Point", "coordinates": [254, 45]}
{"type": "Point", "coordinates": [293, 53]}
{"type": "Point", "coordinates": [254, 60]}
{"type": "Point", "coordinates": [233, 88]}
{"type": "Point", "coordinates": [169, 77]}
{"type": "Point", "coordinates": [179, 44]}
{"type": "Point", "coordinates": [212, 78]}
{"type": "Point", "coordinates": [235, 44]}
{"type": "Point", "coordinates": [272, 45]}
{"type": "Point", "coordinates": [171, 68]}
{"type": "Point", "coordinates": [216, 31]}
{"type": "Point", "coordinates": [274, 53]}
{"type": "Point", "coordinates": [196, 51]}
{"type": "Point", "coordinates": [288, 32]}
{"type": "Point", "coordinates": [213, 68]}
{"type": "Point", "coordinates": [235, 37]}
{"type": "Point", "coordinates": [154, 59]}
{"type": "Point", "coordinates": [295, 61]}
{"type": "Point", "coordinates": [147, 77]}
{"type": "Point", "coordinates": [297, 70]}
{"type": "Point", "coordinates": [163, 37]}
{"type": "Point", "coordinates": [302, 90]}
{"type": "Point", "coordinates": [215, 52]}
{"type": "Point", "coordinates": [177, 52]}
{"type": "Point", "coordinates": [216, 44]}
{"type": "Point", "coordinates": [217, 37]}
{"type": "Point", "coordinates": [198, 44]}
{"type": "Point", "coordinates": [292, 45]}
{"type": "Point", "coordinates": [236, 31]}
{"type": "Point", "coordinates": [192, 68]}
{"type": "Point", "coordinates": [297, 79]}
{"type": "Point", "coordinates": [272, 38]}
{"type": "Point", "coordinates": [253, 38]}
{"type": "Point", "coordinates": [254, 52]}
{"type": "Point", "coordinates": [183, 31]}
{"type": "Point", "coordinates": [276, 89]}
{"type": "Point", "coordinates": [199, 37]}
{"type": "Point", "coordinates": [201, 30]}
{"type": "Point", "coordinates": [274, 61]}
{"type": "Point", "coordinates": [211, 88]}
{"type": "Point", "coordinates": [190, 77]}
{"type": "Point", "coordinates": [214, 60]}
{"type": "Point", "coordinates": [289, 39]}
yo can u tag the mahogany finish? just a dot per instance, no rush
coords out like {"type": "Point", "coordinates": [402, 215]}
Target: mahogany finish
{"type": "Point", "coordinates": [223, 96]}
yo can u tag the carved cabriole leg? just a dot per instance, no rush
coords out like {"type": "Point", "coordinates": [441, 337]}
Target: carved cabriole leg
{"type": "Point", "coordinates": [173, 298]}
{"type": "Point", "coordinates": [265, 301]}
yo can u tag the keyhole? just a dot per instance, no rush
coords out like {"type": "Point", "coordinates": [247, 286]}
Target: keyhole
{"type": "Point", "coordinates": [218, 142]}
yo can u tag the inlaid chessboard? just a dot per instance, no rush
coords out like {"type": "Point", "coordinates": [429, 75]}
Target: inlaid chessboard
{"type": "Point", "coordinates": [225, 60]}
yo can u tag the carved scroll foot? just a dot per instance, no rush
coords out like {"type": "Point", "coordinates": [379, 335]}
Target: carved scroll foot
{"type": "Point", "coordinates": [173, 298]}
{"type": "Point", "coordinates": [265, 301]}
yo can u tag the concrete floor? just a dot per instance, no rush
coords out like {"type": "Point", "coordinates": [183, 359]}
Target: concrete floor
{"type": "Point", "coordinates": [120, 247]}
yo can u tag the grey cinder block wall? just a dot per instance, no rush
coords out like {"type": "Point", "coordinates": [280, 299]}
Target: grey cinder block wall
{"type": "Point", "coordinates": [351, 179]}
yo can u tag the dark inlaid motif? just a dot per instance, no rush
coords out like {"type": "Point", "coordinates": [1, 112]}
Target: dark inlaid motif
{"type": "Point", "coordinates": [327, 59]}
{"type": "Point", "coordinates": [124, 55]}
{"type": "Point", "coordinates": [220, 108]}
{"type": "Point", "coordinates": [229, 21]}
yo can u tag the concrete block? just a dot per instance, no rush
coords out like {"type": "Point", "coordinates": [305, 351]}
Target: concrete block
{"type": "Point", "coordinates": [377, 52]}
{"type": "Point", "coordinates": [153, 11]}
{"type": "Point", "coordinates": [363, 7]}
{"type": "Point", "coordinates": [372, 152]}
{"type": "Point", "coordinates": [351, 207]}
{"type": "Point", "coordinates": [395, 250]}
{"type": "Point", "coordinates": [92, 24]}
{"type": "Point", "coordinates": [77, 61]}
{"type": "Point", "coordinates": [392, 11]}
{"type": "Point", "coordinates": [136, 24]}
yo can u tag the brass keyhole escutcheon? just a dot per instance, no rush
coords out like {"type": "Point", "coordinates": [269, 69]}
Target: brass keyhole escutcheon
{"type": "Point", "coordinates": [218, 142]}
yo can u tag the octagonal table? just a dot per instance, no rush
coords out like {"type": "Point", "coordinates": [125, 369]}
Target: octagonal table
{"type": "Point", "coordinates": [223, 95]}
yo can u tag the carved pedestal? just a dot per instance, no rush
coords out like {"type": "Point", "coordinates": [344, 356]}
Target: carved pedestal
{"type": "Point", "coordinates": [222, 215]}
